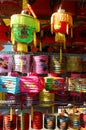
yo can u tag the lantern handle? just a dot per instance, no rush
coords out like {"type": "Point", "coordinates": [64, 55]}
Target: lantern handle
{"type": "Point", "coordinates": [31, 10]}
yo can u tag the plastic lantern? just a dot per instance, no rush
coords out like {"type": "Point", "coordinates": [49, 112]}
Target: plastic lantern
{"type": "Point", "coordinates": [61, 22]}
{"type": "Point", "coordinates": [24, 27]}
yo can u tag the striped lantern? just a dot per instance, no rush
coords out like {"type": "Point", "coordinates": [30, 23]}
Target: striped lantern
{"type": "Point", "coordinates": [9, 124]}
{"type": "Point", "coordinates": [37, 122]}
{"type": "Point", "coordinates": [74, 121]}
{"type": "Point", "coordinates": [56, 66]}
{"type": "Point", "coordinates": [25, 121]}
{"type": "Point", "coordinates": [22, 63]}
{"type": "Point", "coordinates": [40, 64]}
{"type": "Point", "coordinates": [46, 99]}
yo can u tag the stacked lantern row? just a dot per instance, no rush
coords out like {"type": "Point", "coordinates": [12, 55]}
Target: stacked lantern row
{"type": "Point", "coordinates": [41, 64]}
{"type": "Point", "coordinates": [35, 84]}
{"type": "Point", "coordinates": [43, 121]}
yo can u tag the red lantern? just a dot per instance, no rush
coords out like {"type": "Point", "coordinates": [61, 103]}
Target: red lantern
{"type": "Point", "coordinates": [3, 34]}
{"type": "Point", "coordinates": [61, 22]}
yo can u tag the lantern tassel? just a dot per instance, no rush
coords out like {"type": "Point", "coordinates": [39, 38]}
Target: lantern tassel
{"type": "Point", "coordinates": [60, 38]}
{"type": "Point", "coordinates": [12, 37]}
{"type": "Point", "coordinates": [52, 109]}
{"type": "Point", "coordinates": [21, 64]}
{"type": "Point", "coordinates": [22, 120]}
{"type": "Point", "coordinates": [60, 54]}
{"type": "Point", "coordinates": [64, 42]}
{"type": "Point", "coordinates": [11, 113]}
{"type": "Point", "coordinates": [35, 38]}
{"type": "Point", "coordinates": [32, 110]}
{"type": "Point", "coordinates": [67, 29]}
{"type": "Point", "coordinates": [71, 32]}
{"type": "Point", "coordinates": [40, 46]}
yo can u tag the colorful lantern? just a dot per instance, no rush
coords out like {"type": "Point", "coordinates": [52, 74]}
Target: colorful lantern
{"type": "Point", "coordinates": [61, 22]}
{"type": "Point", "coordinates": [24, 27]}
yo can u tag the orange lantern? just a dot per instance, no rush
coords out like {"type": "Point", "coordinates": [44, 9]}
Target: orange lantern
{"type": "Point", "coordinates": [61, 22]}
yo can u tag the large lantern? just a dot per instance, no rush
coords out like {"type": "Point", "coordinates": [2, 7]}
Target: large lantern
{"type": "Point", "coordinates": [24, 27]}
{"type": "Point", "coordinates": [61, 22]}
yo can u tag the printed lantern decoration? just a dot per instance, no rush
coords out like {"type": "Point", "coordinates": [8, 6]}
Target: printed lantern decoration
{"type": "Point", "coordinates": [24, 28]}
{"type": "Point", "coordinates": [61, 22]}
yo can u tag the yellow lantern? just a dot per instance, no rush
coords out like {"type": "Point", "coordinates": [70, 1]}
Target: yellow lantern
{"type": "Point", "coordinates": [61, 21]}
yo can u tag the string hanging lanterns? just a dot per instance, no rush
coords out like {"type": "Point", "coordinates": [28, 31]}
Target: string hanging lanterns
{"type": "Point", "coordinates": [61, 22]}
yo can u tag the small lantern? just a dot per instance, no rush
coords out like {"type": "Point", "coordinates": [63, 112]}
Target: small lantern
{"type": "Point", "coordinates": [3, 34]}
{"type": "Point", "coordinates": [61, 22]}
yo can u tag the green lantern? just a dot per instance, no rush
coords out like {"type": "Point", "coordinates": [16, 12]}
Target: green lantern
{"type": "Point", "coordinates": [23, 28]}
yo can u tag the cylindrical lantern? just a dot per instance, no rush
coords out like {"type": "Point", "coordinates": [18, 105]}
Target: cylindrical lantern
{"type": "Point", "coordinates": [5, 63]}
{"type": "Point", "coordinates": [50, 122]}
{"type": "Point", "coordinates": [9, 125]}
{"type": "Point", "coordinates": [25, 120]}
{"type": "Point", "coordinates": [62, 122]}
{"type": "Point", "coordinates": [46, 99]}
{"type": "Point", "coordinates": [74, 63]}
{"type": "Point", "coordinates": [22, 63]}
{"type": "Point", "coordinates": [40, 64]}
{"type": "Point", "coordinates": [37, 122]}
{"type": "Point", "coordinates": [56, 66]}
{"type": "Point", "coordinates": [74, 121]}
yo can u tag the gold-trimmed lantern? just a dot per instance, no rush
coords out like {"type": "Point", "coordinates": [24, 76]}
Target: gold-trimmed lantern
{"type": "Point", "coordinates": [24, 27]}
{"type": "Point", "coordinates": [61, 22]}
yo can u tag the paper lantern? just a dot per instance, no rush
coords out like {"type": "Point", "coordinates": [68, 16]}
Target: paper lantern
{"type": "Point", "coordinates": [3, 34]}
{"type": "Point", "coordinates": [24, 27]}
{"type": "Point", "coordinates": [25, 22]}
{"type": "Point", "coordinates": [61, 22]}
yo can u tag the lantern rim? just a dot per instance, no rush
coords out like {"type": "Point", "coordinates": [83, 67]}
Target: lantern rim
{"type": "Point", "coordinates": [62, 16]}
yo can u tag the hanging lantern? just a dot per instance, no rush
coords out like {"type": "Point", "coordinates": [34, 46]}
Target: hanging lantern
{"type": "Point", "coordinates": [9, 7]}
{"type": "Point", "coordinates": [24, 27]}
{"type": "Point", "coordinates": [61, 22]}
{"type": "Point", "coordinates": [3, 34]}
